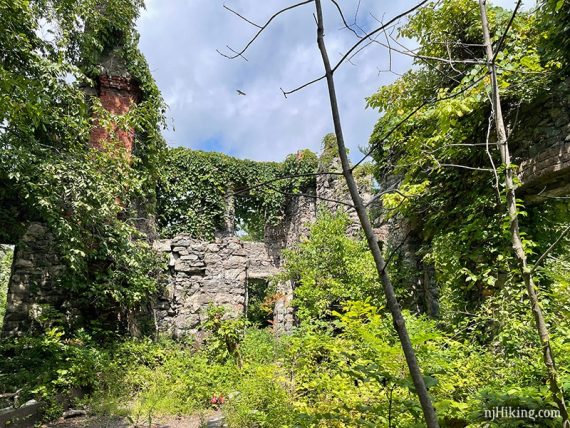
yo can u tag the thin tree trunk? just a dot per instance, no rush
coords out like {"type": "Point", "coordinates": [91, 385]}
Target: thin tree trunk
{"type": "Point", "coordinates": [517, 244]}
{"type": "Point", "coordinates": [392, 301]}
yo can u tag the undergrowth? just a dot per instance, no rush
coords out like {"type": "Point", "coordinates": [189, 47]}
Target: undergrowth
{"type": "Point", "coordinates": [341, 367]}
{"type": "Point", "coordinates": [349, 373]}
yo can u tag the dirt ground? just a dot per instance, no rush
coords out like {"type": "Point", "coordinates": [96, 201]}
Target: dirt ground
{"type": "Point", "coordinates": [194, 421]}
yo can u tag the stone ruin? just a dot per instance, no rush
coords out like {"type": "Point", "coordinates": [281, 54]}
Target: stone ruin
{"type": "Point", "coordinates": [220, 272]}
{"type": "Point", "coordinates": [204, 273]}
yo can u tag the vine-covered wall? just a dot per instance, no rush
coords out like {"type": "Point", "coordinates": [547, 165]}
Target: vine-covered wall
{"type": "Point", "coordinates": [199, 189]}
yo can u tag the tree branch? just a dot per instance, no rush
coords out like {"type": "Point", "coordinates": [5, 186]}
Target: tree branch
{"type": "Point", "coordinates": [262, 28]}
{"type": "Point", "coordinates": [242, 17]}
{"type": "Point", "coordinates": [549, 250]}
{"type": "Point", "coordinates": [369, 35]}
{"type": "Point", "coordinates": [308, 195]}
{"type": "Point", "coordinates": [504, 36]}
{"type": "Point", "coordinates": [408, 116]}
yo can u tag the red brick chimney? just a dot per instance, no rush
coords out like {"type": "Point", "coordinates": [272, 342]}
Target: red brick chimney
{"type": "Point", "coordinates": [117, 94]}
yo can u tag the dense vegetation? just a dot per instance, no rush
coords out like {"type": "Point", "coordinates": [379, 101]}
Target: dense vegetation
{"type": "Point", "coordinates": [50, 51]}
{"type": "Point", "coordinates": [197, 188]}
{"type": "Point", "coordinates": [343, 365]}
{"type": "Point", "coordinates": [6, 255]}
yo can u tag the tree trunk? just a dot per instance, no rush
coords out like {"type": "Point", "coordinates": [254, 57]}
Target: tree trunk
{"type": "Point", "coordinates": [393, 305]}
{"type": "Point", "coordinates": [517, 244]}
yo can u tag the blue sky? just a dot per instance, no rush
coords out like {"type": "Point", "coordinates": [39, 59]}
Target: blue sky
{"type": "Point", "coordinates": [180, 38]}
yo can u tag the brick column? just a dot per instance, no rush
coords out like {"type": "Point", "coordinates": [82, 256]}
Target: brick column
{"type": "Point", "coordinates": [117, 95]}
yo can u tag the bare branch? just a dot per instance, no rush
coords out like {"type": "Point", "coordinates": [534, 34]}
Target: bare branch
{"type": "Point", "coordinates": [242, 17]}
{"type": "Point", "coordinates": [392, 300]}
{"type": "Point", "coordinates": [237, 53]}
{"type": "Point", "coordinates": [473, 168]}
{"type": "Point", "coordinates": [428, 63]}
{"type": "Point", "coordinates": [550, 197]}
{"type": "Point", "coordinates": [284, 177]}
{"type": "Point", "coordinates": [513, 214]}
{"type": "Point", "coordinates": [267, 183]}
{"type": "Point", "coordinates": [554, 244]}
{"type": "Point", "coordinates": [351, 51]}
{"type": "Point", "coordinates": [491, 159]}
{"type": "Point", "coordinates": [409, 52]}
{"type": "Point", "coordinates": [456, 145]}
{"type": "Point", "coordinates": [409, 115]}
{"type": "Point", "coordinates": [348, 27]}
{"type": "Point", "coordinates": [395, 250]}
{"type": "Point", "coordinates": [263, 27]}
{"type": "Point", "coordinates": [357, 10]}
{"type": "Point", "coordinates": [308, 195]}
{"type": "Point", "coordinates": [318, 79]}
{"type": "Point", "coordinates": [385, 192]}
{"type": "Point", "coordinates": [390, 132]}
{"type": "Point", "coordinates": [503, 37]}
{"type": "Point", "coordinates": [377, 30]}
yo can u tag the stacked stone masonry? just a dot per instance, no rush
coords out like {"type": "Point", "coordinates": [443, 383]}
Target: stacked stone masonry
{"type": "Point", "coordinates": [204, 273]}
{"type": "Point", "coordinates": [33, 285]}
{"type": "Point", "coordinates": [208, 273]}
{"type": "Point", "coordinates": [541, 143]}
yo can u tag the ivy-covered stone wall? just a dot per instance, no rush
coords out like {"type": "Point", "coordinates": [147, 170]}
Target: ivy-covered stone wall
{"type": "Point", "coordinates": [33, 285]}
{"type": "Point", "coordinates": [208, 270]}
{"type": "Point", "coordinates": [541, 141]}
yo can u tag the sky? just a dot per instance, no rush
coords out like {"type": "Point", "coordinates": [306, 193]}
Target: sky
{"type": "Point", "coordinates": [180, 37]}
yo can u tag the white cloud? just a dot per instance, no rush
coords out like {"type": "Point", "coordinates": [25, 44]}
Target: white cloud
{"type": "Point", "coordinates": [180, 38]}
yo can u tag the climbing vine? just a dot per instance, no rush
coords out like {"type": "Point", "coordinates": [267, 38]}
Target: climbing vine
{"type": "Point", "coordinates": [435, 137]}
{"type": "Point", "coordinates": [448, 187]}
{"type": "Point", "coordinates": [88, 198]}
{"type": "Point", "coordinates": [197, 187]}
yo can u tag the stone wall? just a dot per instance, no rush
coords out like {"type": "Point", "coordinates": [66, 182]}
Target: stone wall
{"type": "Point", "coordinates": [333, 191]}
{"type": "Point", "coordinates": [201, 273]}
{"type": "Point", "coordinates": [217, 273]}
{"type": "Point", "coordinates": [208, 273]}
{"type": "Point", "coordinates": [33, 286]}
{"type": "Point", "coordinates": [541, 144]}
{"type": "Point", "coordinates": [300, 213]}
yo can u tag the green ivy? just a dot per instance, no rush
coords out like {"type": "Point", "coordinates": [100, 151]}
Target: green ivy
{"type": "Point", "coordinates": [330, 268]}
{"type": "Point", "coordinates": [85, 196]}
{"type": "Point", "coordinates": [193, 194]}
{"type": "Point", "coordinates": [6, 256]}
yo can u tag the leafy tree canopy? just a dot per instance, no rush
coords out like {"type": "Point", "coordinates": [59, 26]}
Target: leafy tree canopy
{"type": "Point", "coordinates": [439, 114]}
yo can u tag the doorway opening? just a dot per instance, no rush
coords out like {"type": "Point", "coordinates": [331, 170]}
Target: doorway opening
{"type": "Point", "coordinates": [259, 302]}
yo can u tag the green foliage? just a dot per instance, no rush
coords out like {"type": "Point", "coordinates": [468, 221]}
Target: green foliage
{"type": "Point", "coordinates": [86, 196]}
{"type": "Point", "coordinates": [193, 194]}
{"type": "Point", "coordinates": [451, 196]}
{"type": "Point", "coordinates": [349, 373]}
{"type": "Point", "coordinates": [50, 367]}
{"type": "Point", "coordinates": [224, 334]}
{"type": "Point", "coordinates": [453, 96]}
{"type": "Point", "coordinates": [330, 268]}
{"type": "Point", "coordinates": [343, 366]}
{"type": "Point", "coordinates": [555, 21]}
{"type": "Point", "coordinates": [458, 210]}
{"type": "Point", "coordinates": [263, 400]}
{"type": "Point", "coordinates": [329, 151]}
{"type": "Point", "coordinates": [260, 301]}
{"type": "Point", "coordinates": [6, 255]}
